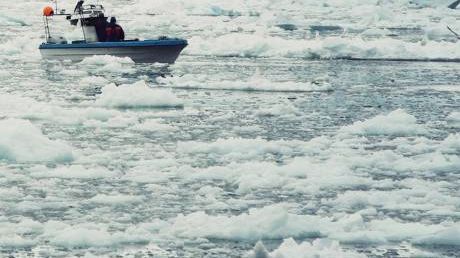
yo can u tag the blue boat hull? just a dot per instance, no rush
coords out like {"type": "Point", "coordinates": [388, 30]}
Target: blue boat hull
{"type": "Point", "coordinates": [147, 51]}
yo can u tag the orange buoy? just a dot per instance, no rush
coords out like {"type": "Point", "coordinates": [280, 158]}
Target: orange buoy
{"type": "Point", "coordinates": [48, 11]}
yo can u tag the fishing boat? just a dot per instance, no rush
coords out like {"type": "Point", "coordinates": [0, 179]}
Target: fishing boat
{"type": "Point", "coordinates": [161, 50]}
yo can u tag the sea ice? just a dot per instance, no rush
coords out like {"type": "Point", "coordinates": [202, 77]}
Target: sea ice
{"type": "Point", "coordinates": [271, 222]}
{"type": "Point", "coordinates": [255, 83]}
{"type": "Point", "coordinates": [454, 119]}
{"type": "Point", "coordinates": [21, 141]}
{"type": "Point", "coordinates": [291, 249]}
{"type": "Point", "coordinates": [244, 45]}
{"type": "Point", "coordinates": [397, 123]}
{"type": "Point", "coordinates": [137, 95]}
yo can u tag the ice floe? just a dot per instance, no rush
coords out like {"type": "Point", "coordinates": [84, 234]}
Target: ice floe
{"type": "Point", "coordinates": [21, 141]}
{"type": "Point", "coordinates": [271, 222]}
{"type": "Point", "coordinates": [16, 106]}
{"type": "Point", "coordinates": [93, 236]}
{"type": "Point", "coordinates": [290, 248]}
{"type": "Point", "coordinates": [277, 222]}
{"type": "Point", "coordinates": [240, 149]}
{"type": "Point", "coordinates": [446, 237]}
{"type": "Point", "coordinates": [257, 82]}
{"type": "Point", "coordinates": [108, 64]}
{"type": "Point", "coordinates": [20, 48]}
{"type": "Point", "coordinates": [16, 241]}
{"type": "Point", "coordinates": [397, 123]}
{"type": "Point", "coordinates": [105, 60]}
{"type": "Point", "coordinates": [137, 95]}
{"type": "Point", "coordinates": [454, 119]}
{"type": "Point", "coordinates": [244, 45]}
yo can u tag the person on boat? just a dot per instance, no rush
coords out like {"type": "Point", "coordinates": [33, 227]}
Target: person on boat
{"type": "Point", "coordinates": [114, 32]}
{"type": "Point", "coordinates": [101, 27]}
{"type": "Point", "coordinates": [79, 6]}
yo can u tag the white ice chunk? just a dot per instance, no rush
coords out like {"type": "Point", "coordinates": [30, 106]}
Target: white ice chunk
{"type": "Point", "coordinates": [21, 141]}
{"type": "Point", "coordinates": [271, 222]}
{"type": "Point", "coordinates": [454, 119]}
{"type": "Point", "coordinates": [398, 123]}
{"type": "Point", "coordinates": [137, 95]}
{"type": "Point", "coordinates": [449, 237]}
{"type": "Point", "coordinates": [106, 59]}
{"type": "Point", "coordinates": [93, 235]}
{"type": "Point", "coordinates": [318, 249]}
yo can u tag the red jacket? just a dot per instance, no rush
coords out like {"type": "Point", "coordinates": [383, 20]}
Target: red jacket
{"type": "Point", "coordinates": [114, 33]}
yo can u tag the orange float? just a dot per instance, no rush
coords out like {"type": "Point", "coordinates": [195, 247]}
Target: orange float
{"type": "Point", "coordinates": [48, 11]}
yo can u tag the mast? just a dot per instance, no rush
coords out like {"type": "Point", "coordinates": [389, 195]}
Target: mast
{"type": "Point", "coordinates": [47, 28]}
{"type": "Point", "coordinates": [47, 12]}
{"type": "Point", "coordinates": [82, 28]}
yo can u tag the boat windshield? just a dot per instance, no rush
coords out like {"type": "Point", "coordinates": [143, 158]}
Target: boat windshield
{"type": "Point", "coordinates": [91, 9]}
